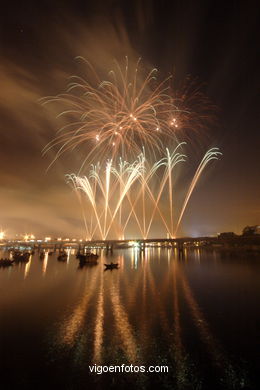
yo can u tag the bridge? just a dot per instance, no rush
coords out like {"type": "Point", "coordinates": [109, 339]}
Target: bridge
{"type": "Point", "coordinates": [250, 242]}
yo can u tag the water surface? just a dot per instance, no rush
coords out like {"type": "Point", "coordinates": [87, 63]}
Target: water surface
{"type": "Point", "coordinates": [198, 314]}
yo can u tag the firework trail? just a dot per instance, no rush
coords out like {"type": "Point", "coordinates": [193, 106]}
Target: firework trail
{"type": "Point", "coordinates": [128, 188]}
{"type": "Point", "coordinates": [123, 179]}
{"type": "Point", "coordinates": [212, 154]}
{"type": "Point", "coordinates": [128, 114]}
{"type": "Point", "coordinates": [122, 114]}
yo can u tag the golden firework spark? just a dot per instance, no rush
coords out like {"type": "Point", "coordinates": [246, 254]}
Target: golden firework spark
{"type": "Point", "coordinates": [121, 114]}
{"type": "Point", "coordinates": [121, 192]}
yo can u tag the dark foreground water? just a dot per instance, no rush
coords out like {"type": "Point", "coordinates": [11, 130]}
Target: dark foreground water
{"type": "Point", "coordinates": [198, 315]}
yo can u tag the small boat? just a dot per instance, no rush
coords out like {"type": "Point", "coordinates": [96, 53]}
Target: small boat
{"type": "Point", "coordinates": [87, 259]}
{"type": "Point", "coordinates": [83, 264]}
{"type": "Point", "coordinates": [6, 262]}
{"type": "Point", "coordinates": [81, 257]}
{"type": "Point", "coordinates": [62, 257]}
{"type": "Point", "coordinates": [20, 257]}
{"type": "Point", "coordinates": [111, 265]}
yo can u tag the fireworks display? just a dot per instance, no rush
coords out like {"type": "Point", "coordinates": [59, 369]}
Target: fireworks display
{"type": "Point", "coordinates": [123, 114]}
{"type": "Point", "coordinates": [131, 187]}
{"type": "Point", "coordinates": [126, 120]}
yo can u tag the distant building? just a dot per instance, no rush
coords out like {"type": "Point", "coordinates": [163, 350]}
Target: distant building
{"type": "Point", "coordinates": [251, 230]}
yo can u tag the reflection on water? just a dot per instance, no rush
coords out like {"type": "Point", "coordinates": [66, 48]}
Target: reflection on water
{"type": "Point", "coordinates": [123, 327]}
{"type": "Point", "coordinates": [27, 267]}
{"type": "Point", "coordinates": [99, 322]}
{"type": "Point", "coordinates": [197, 314]}
{"type": "Point", "coordinates": [71, 326]}
{"type": "Point", "coordinates": [45, 263]}
{"type": "Point", "coordinates": [179, 351]}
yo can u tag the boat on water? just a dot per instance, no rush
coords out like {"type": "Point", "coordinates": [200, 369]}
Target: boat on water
{"type": "Point", "coordinates": [87, 259]}
{"type": "Point", "coordinates": [21, 257]}
{"type": "Point", "coordinates": [6, 262]}
{"type": "Point", "coordinates": [111, 265]}
{"type": "Point", "coordinates": [62, 257]}
{"type": "Point", "coordinates": [83, 264]}
{"type": "Point", "coordinates": [88, 255]}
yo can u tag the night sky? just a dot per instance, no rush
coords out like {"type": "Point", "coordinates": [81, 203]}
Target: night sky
{"type": "Point", "coordinates": [213, 42]}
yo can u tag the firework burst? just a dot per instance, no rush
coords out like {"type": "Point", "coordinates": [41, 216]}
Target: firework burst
{"type": "Point", "coordinates": [128, 114]}
{"type": "Point", "coordinates": [122, 114]}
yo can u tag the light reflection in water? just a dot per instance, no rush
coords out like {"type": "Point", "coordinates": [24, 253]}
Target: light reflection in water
{"type": "Point", "coordinates": [69, 253]}
{"type": "Point", "coordinates": [44, 264]}
{"type": "Point", "coordinates": [214, 347]}
{"type": "Point", "coordinates": [135, 252]}
{"type": "Point", "coordinates": [123, 326]}
{"type": "Point", "coordinates": [136, 257]}
{"type": "Point", "coordinates": [179, 352]}
{"type": "Point", "coordinates": [132, 258]}
{"type": "Point", "coordinates": [99, 322]}
{"type": "Point", "coordinates": [197, 254]}
{"type": "Point", "coordinates": [131, 288]}
{"type": "Point", "coordinates": [147, 305]}
{"type": "Point", "coordinates": [169, 253]}
{"type": "Point", "coordinates": [27, 267]}
{"type": "Point", "coordinates": [157, 301]}
{"type": "Point", "coordinates": [144, 324]}
{"type": "Point", "coordinates": [71, 326]}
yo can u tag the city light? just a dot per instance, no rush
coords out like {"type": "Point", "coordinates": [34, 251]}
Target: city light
{"type": "Point", "coordinates": [134, 244]}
